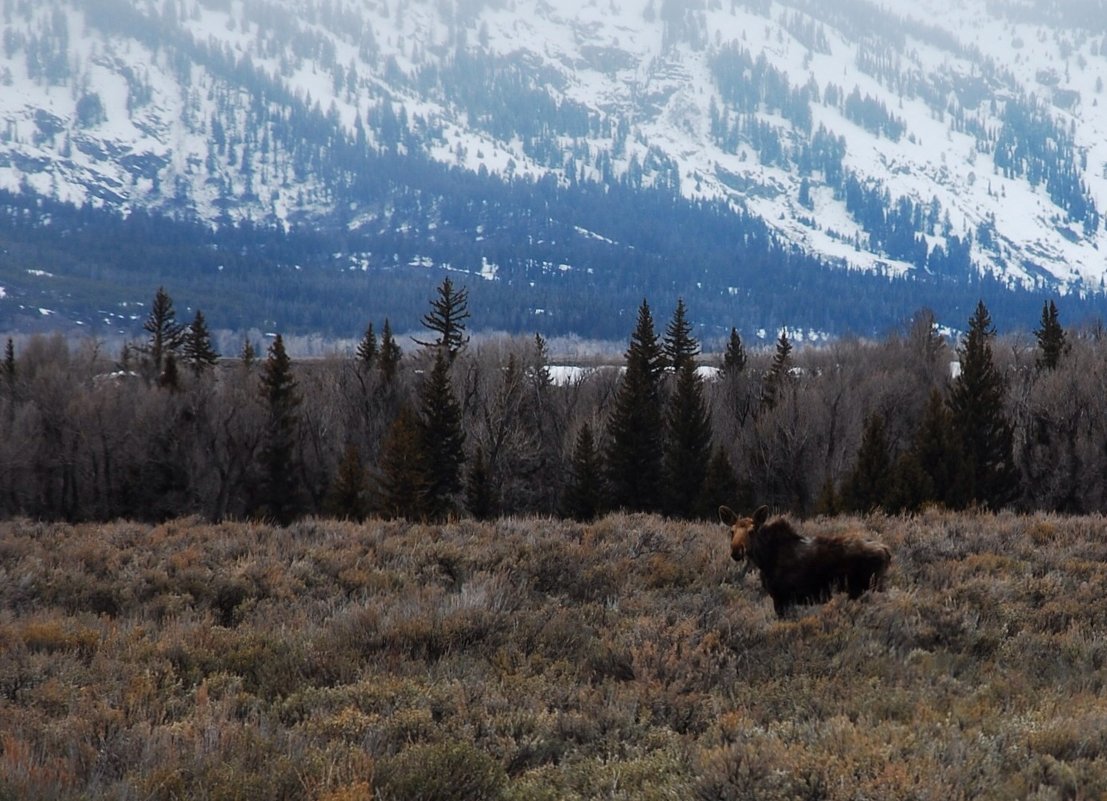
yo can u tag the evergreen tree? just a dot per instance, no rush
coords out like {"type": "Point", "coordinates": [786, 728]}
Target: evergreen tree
{"type": "Point", "coordinates": [543, 379]}
{"type": "Point", "coordinates": [390, 353]}
{"type": "Point", "coordinates": [1052, 341]}
{"type": "Point", "coordinates": [348, 497]}
{"type": "Point", "coordinates": [402, 486]}
{"type": "Point", "coordinates": [247, 354]}
{"type": "Point", "coordinates": [633, 457]}
{"type": "Point", "coordinates": [280, 489]}
{"type": "Point", "coordinates": [447, 318]}
{"type": "Point", "coordinates": [867, 485]}
{"type": "Point", "coordinates": [779, 372]}
{"type": "Point", "coordinates": [442, 436]}
{"type": "Point", "coordinates": [583, 496]}
{"type": "Point", "coordinates": [478, 487]}
{"type": "Point", "coordinates": [720, 488]}
{"type": "Point", "coordinates": [687, 443]}
{"type": "Point", "coordinates": [367, 348]}
{"type": "Point", "coordinates": [170, 377]}
{"type": "Point", "coordinates": [9, 362]}
{"type": "Point", "coordinates": [679, 344]}
{"type": "Point", "coordinates": [934, 469]}
{"type": "Point", "coordinates": [165, 333]}
{"type": "Point", "coordinates": [976, 403]}
{"type": "Point", "coordinates": [734, 358]}
{"type": "Point", "coordinates": [196, 346]}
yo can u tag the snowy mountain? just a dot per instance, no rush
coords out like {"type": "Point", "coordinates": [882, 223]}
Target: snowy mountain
{"type": "Point", "coordinates": [931, 139]}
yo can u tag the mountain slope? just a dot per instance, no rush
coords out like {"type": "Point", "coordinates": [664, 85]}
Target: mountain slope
{"type": "Point", "coordinates": [930, 140]}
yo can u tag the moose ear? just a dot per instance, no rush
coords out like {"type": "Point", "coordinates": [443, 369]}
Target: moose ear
{"type": "Point", "coordinates": [760, 516]}
{"type": "Point", "coordinates": [727, 516]}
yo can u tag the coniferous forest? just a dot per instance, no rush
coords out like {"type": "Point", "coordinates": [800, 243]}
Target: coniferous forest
{"type": "Point", "coordinates": [168, 427]}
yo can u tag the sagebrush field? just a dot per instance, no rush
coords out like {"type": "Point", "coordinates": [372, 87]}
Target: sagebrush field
{"type": "Point", "coordinates": [629, 658]}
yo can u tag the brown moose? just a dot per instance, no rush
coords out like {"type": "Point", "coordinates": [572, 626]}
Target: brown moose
{"type": "Point", "coordinates": [804, 570]}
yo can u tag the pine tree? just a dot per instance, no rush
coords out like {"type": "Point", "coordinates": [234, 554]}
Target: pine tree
{"type": "Point", "coordinates": [935, 468]}
{"type": "Point", "coordinates": [1052, 341]}
{"type": "Point", "coordinates": [367, 348]}
{"type": "Point", "coordinates": [165, 333]}
{"type": "Point", "coordinates": [720, 488]}
{"type": "Point", "coordinates": [867, 485]}
{"type": "Point", "coordinates": [583, 495]}
{"type": "Point", "coordinates": [976, 402]}
{"type": "Point", "coordinates": [196, 348]}
{"type": "Point", "coordinates": [390, 353]}
{"type": "Point", "coordinates": [348, 496]}
{"type": "Point", "coordinates": [687, 443]}
{"type": "Point", "coordinates": [478, 487]}
{"type": "Point", "coordinates": [247, 354]}
{"type": "Point", "coordinates": [170, 377]}
{"type": "Point", "coordinates": [447, 318]}
{"type": "Point", "coordinates": [542, 377]}
{"type": "Point", "coordinates": [633, 456]}
{"type": "Point", "coordinates": [679, 345]}
{"type": "Point", "coordinates": [442, 436]}
{"type": "Point", "coordinates": [9, 362]}
{"type": "Point", "coordinates": [779, 372]}
{"type": "Point", "coordinates": [280, 489]}
{"type": "Point", "coordinates": [402, 486]}
{"type": "Point", "coordinates": [734, 359]}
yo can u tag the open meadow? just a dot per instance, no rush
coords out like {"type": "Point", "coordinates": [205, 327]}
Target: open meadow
{"type": "Point", "coordinates": [628, 658]}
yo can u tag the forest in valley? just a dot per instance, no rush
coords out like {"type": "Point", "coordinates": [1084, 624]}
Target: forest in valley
{"type": "Point", "coordinates": [448, 429]}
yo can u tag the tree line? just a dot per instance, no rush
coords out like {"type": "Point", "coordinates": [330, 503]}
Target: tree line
{"type": "Point", "coordinates": [168, 427]}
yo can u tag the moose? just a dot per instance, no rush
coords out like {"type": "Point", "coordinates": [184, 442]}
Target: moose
{"type": "Point", "coordinates": [804, 570]}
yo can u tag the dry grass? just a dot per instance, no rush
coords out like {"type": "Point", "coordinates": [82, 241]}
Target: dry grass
{"type": "Point", "coordinates": [625, 659]}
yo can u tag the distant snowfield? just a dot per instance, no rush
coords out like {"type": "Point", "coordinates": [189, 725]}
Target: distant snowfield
{"type": "Point", "coordinates": [613, 58]}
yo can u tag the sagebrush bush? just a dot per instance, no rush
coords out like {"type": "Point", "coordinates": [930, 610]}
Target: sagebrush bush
{"type": "Point", "coordinates": [627, 658]}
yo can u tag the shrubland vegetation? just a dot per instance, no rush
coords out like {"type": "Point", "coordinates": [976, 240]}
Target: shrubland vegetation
{"type": "Point", "coordinates": [451, 428]}
{"type": "Point", "coordinates": [627, 658]}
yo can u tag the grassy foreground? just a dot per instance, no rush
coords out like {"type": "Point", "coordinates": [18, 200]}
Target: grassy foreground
{"type": "Point", "coordinates": [537, 659]}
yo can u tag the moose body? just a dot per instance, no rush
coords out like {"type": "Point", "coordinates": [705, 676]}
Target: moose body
{"type": "Point", "coordinates": [804, 570]}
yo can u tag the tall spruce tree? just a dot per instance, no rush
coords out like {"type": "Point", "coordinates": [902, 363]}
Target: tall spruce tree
{"type": "Point", "coordinates": [779, 372]}
{"type": "Point", "coordinates": [196, 347]}
{"type": "Point", "coordinates": [402, 483]}
{"type": "Point", "coordinates": [442, 437]}
{"type": "Point", "coordinates": [687, 442]}
{"type": "Point", "coordinates": [9, 363]}
{"type": "Point", "coordinates": [583, 495]}
{"type": "Point", "coordinates": [633, 456]}
{"type": "Point", "coordinates": [976, 401]}
{"type": "Point", "coordinates": [934, 469]}
{"type": "Point", "coordinates": [1052, 340]}
{"type": "Point", "coordinates": [734, 358]}
{"type": "Point", "coordinates": [170, 377]}
{"type": "Point", "coordinates": [447, 317]}
{"type": "Point", "coordinates": [165, 334]}
{"type": "Point", "coordinates": [348, 498]}
{"type": "Point", "coordinates": [720, 488]}
{"type": "Point", "coordinates": [280, 486]}
{"type": "Point", "coordinates": [478, 487]}
{"type": "Point", "coordinates": [390, 353]}
{"type": "Point", "coordinates": [367, 348]}
{"type": "Point", "coordinates": [248, 354]}
{"type": "Point", "coordinates": [867, 486]}
{"type": "Point", "coordinates": [679, 345]}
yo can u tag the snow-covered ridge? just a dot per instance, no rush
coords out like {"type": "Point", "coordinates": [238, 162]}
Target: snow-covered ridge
{"type": "Point", "coordinates": [961, 109]}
